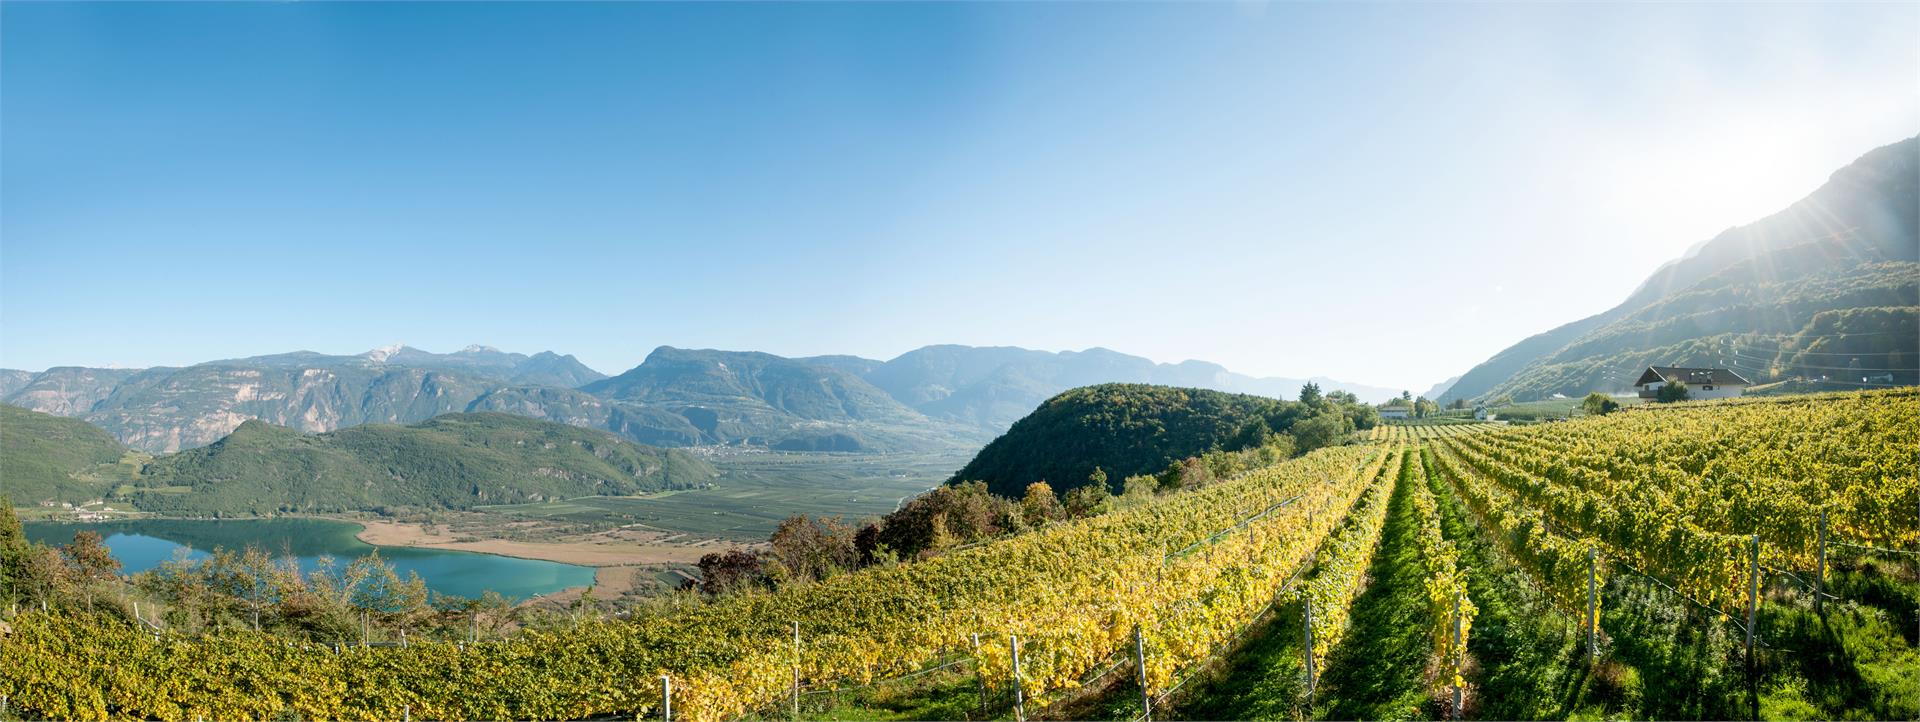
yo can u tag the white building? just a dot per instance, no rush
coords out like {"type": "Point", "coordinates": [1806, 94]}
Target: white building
{"type": "Point", "coordinates": [1701, 383]}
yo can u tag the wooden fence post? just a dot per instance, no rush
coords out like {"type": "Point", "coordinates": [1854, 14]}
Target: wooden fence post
{"type": "Point", "coordinates": [979, 675]}
{"type": "Point", "coordinates": [666, 698]}
{"type": "Point", "coordinates": [1753, 597]}
{"type": "Point", "coordinates": [1820, 575]}
{"type": "Point", "coordinates": [1140, 662]}
{"type": "Point", "coordinates": [1019, 695]}
{"type": "Point", "coordinates": [796, 669]}
{"type": "Point", "coordinates": [1309, 651]}
{"type": "Point", "coordinates": [1458, 694]}
{"type": "Point", "coordinates": [1593, 621]}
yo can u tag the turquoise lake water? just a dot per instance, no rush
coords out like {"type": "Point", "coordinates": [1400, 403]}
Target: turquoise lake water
{"type": "Point", "coordinates": [145, 544]}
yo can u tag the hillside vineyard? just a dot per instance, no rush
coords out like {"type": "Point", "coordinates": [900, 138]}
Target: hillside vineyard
{"type": "Point", "coordinates": [1677, 493]}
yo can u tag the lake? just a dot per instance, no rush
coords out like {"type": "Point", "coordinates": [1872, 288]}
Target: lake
{"type": "Point", "coordinates": [144, 544]}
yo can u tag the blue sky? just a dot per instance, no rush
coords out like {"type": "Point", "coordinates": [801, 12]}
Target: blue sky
{"type": "Point", "coordinates": [1382, 193]}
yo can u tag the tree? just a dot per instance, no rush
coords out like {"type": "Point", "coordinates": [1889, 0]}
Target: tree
{"type": "Point", "coordinates": [1423, 408]}
{"type": "Point", "coordinates": [1599, 404]}
{"type": "Point", "coordinates": [1040, 505]}
{"type": "Point", "coordinates": [813, 549]}
{"type": "Point", "coordinates": [732, 570]}
{"type": "Point", "coordinates": [1676, 391]}
{"type": "Point", "coordinates": [1321, 430]}
{"type": "Point", "coordinates": [13, 550]}
{"type": "Point", "coordinates": [964, 512]}
{"type": "Point", "coordinates": [1310, 395]}
{"type": "Point", "coordinates": [1406, 395]}
{"type": "Point", "coordinates": [1090, 500]}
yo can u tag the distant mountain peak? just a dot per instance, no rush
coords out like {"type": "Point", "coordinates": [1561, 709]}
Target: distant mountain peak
{"type": "Point", "coordinates": [477, 348]}
{"type": "Point", "coordinates": [381, 354]}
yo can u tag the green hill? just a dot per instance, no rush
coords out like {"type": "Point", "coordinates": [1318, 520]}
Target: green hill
{"type": "Point", "coordinates": [450, 461]}
{"type": "Point", "coordinates": [1827, 288]}
{"type": "Point", "coordinates": [49, 458]}
{"type": "Point", "coordinates": [1124, 429]}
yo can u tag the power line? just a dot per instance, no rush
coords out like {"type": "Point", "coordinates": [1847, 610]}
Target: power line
{"type": "Point", "coordinates": [1823, 368]}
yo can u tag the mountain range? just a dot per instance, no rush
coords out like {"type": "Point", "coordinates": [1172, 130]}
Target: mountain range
{"type": "Point", "coordinates": [933, 397]}
{"type": "Point", "coordinates": [1826, 290]}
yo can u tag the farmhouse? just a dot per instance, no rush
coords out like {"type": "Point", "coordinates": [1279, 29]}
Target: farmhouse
{"type": "Point", "coordinates": [1702, 383]}
{"type": "Point", "coordinates": [1395, 412]}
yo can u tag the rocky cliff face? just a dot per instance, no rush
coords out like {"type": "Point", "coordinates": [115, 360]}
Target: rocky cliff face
{"type": "Point", "coordinates": [169, 409]}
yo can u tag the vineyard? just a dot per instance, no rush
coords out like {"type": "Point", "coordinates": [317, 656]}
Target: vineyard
{"type": "Point", "coordinates": [1654, 562]}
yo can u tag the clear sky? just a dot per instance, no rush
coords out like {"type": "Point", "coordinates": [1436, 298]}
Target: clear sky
{"type": "Point", "coordinates": [1381, 193]}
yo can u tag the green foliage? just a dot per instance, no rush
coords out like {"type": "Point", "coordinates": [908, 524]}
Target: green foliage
{"type": "Point", "coordinates": [49, 458]}
{"type": "Point", "coordinates": [1671, 392]}
{"type": "Point", "coordinates": [1133, 429]}
{"type": "Point", "coordinates": [452, 461]}
{"type": "Point", "coordinates": [1599, 404]}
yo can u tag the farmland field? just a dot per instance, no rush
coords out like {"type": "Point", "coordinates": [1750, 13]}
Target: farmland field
{"type": "Point", "coordinates": [1595, 569]}
{"type": "Point", "coordinates": [757, 490]}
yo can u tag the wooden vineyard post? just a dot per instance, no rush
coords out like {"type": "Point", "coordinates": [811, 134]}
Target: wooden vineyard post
{"type": "Point", "coordinates": [666, 698]}
{"type": "Point", "coordinates": [1458, 694]}
{"type": "Point", "coordinates": [1309, 651]}
{"type": "Point", "coordinates": [406, 713]}
{"type": "Point", "coordinates": [363, 628]}
{"type": "Point", "coordinates": [1593, 624]}
{"type": "Point", "coordinates": [1140, 663]}
{"type": "Point", "coordinates": [1820, 575]}
{"type": "Point", "coordinates": [979, 674]}
{"type": "Point", "coordinates": [1019, 695]}
{"type": "Point", "coordinates": [1753, 597]}
{"type": "Point", "coordinates": [796, 669]}
{"type": "Point", "coordinates": [473, 626]}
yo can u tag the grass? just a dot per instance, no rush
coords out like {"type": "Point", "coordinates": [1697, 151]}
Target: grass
{"type": "Point", "coordinates": [1664, 658]}
{"type": "Point", "coordinates": [756, 491]}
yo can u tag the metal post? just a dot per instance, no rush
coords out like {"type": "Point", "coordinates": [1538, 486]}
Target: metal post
{"type": "Point", "coordinates": [1019, 695]}
{"type": "Point", "coordinates": [1458, 693]}
{"type": "Point", "coordinates": [363, 627]}
{"type": "Point", "coordinates": [403, 638]}
{"type": "Point", "coordinates": [1753, 596]}
{"type": "Point", "coordinates": [979, 675]}
{"type": "Point", "coordinates": [666, 698]}
{"type": "Point", "coordinates": [796, 669]}
{"type": "Point", "coordinates": [1140, 662]}
{"type": "Point", "coordinates": [473, 626]}
{"type": "Point", "coordinates": [406, 713]}
{"type": "Point", "coordinates": [1593, 623]}
{"type": "Point", "coordinates": [1820, 576]}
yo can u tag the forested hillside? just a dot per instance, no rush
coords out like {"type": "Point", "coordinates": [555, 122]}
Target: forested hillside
{"type": "Point", "coordinates": [1129, 429]}
{"type": "Point", "coordinates": [49, 458]}
{"type": "Point", "coordinates": [1827, 289]}
{"type": "Point", "coordinates": [452, 461]}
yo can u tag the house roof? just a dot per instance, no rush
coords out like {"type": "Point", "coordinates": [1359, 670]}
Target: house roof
{"type": "Point", "coordinates": [1689, 376]}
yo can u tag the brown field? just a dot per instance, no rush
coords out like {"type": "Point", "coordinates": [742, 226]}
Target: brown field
{"type": "Point", "coordinates": [618, 547]}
